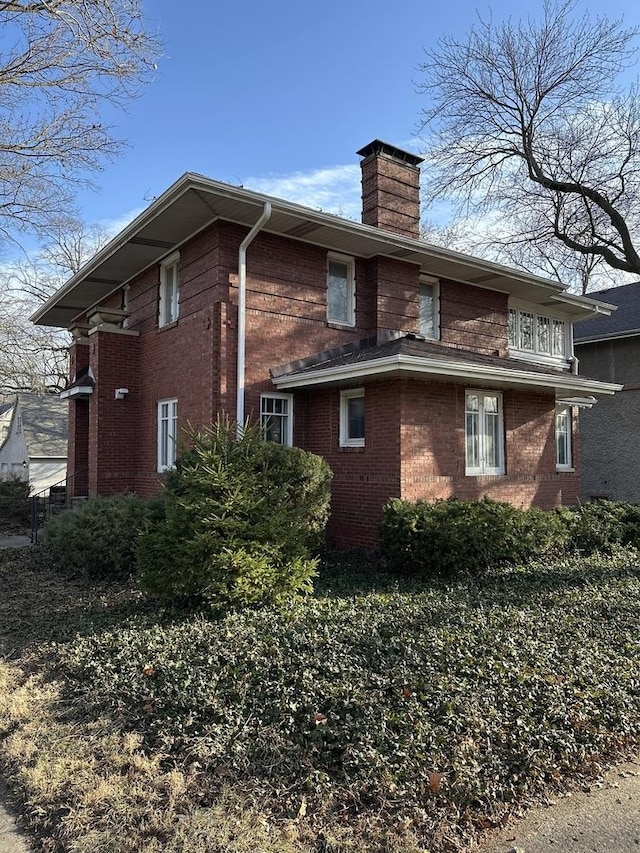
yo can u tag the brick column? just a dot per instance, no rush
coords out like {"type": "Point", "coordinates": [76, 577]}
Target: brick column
{"type": "Point", "coordinates": [113, 423]}
{"type": "Point", "coordinates": [78, 439]}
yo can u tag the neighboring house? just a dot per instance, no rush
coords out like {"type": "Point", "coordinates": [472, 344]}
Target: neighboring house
{"type": "Point", "coordinates": [609, 348]}
{"type": "Point", "coordinates": [33, 440]}
{"type": "Point", "coordinates": [415, 371]}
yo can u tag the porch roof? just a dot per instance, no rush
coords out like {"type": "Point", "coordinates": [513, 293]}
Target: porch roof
{"type": "Point", "coordinates": [410, 356]}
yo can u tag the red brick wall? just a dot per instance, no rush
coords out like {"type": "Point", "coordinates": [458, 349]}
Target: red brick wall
{"type": "Point", "coordinates": [433, 448]}
{"type": "Point", "coordinates": [473, 318]}
{"type": "Point", "coordinates": [363, 477]}
{"type": "Point", "coordinates": [114, 425]}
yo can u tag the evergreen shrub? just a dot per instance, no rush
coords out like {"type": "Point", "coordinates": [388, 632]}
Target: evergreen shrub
{"type": "Point", "coordinates": [241, 516]}
{"type": "Point", "coordinates": [453, 536]}
{"type": "Point", "coordinates": [602, 526]}
{"type": "Point", "coordinates": [97, 540]}
{"type": "Point", "coordinates": [14, 502]}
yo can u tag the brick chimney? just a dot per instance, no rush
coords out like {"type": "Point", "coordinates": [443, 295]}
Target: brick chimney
{"type": "Point", "coordinates": [390, 188]}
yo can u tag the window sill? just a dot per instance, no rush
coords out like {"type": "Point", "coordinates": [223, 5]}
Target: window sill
{"type": "Point", "coordinates": [332, 324]}
{"type": "Point", "coordinates": [560, 470]}
{"type": "Point", "coordinates": [351, 448]}
{"type": "Point", "coordinates": [171, 325]}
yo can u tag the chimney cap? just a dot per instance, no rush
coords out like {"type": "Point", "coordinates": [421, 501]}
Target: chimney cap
{"type": "Point", "coordinates": [380, 147]}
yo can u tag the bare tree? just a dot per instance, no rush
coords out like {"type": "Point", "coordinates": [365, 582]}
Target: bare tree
{"type": "Point", "coordinates": [531, 130]}
{"type": "Point", "coordinates": [35, 358]}
{"type": "Point", "coordinates": [62, 62]}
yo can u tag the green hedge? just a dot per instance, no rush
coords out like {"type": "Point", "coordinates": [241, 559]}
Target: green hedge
{"type": "Point", "coordinates": [446, 537]}
{"type": "Point", "coordinates": [97, 539]}
{"type": "Point", "coordinates": [240, 518]}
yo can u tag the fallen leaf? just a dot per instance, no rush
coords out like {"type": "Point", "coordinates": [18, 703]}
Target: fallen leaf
{"type": "Point", "coordinates": [435, 782]}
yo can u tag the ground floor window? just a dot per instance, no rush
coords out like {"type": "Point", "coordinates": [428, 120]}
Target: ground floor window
{"type": "Point", "coordinates": [352, 418]}
{"type": "Point", "coordinates": [276, 418]}
{"type": "Point", "coordinates": [484, 444]}
{"type": "Point", "coordinates": [563, 438]}
{"type": "Point", "coordinates": [167, 433]}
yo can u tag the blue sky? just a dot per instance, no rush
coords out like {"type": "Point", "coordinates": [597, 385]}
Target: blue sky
{"type": "Point", "coordinates": [279, 96]}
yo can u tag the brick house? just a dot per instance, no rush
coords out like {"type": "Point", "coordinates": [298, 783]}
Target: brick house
{"type": "Point", "coordinates": [414, 370]}
{"type": "Point", "coordinates": [609, 348]}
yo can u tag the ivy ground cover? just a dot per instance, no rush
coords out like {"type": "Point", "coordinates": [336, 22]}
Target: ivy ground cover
{"type": "Point", "coordinates": [379, 714]}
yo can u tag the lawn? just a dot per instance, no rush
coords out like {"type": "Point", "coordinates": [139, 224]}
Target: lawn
{"type": "Point", "coordinates": [381, 714]}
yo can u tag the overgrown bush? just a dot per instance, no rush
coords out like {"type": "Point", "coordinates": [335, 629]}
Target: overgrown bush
{"type": "Point", "coordinates": [602, 526]}
{"type": "Point", "coordinates": [240, 518]}
{"type": "Point", "coordinates": [448, 537]}
{"type": "Point", "coordinates": [97, 539]}
{"type": "Point", "coordinates": [14, 503]}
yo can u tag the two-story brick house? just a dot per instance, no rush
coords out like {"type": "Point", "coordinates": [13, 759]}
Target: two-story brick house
{"type": "Point", "coordinates": [415, 371]}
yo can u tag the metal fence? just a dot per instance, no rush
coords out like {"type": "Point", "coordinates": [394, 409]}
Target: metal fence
{"type": "Point", "coordinates": [49, 501]}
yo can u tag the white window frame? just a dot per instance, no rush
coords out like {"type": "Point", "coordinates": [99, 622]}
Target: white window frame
{"type": "Point", "coordinates": [535, 352]}
{"type": "Point", "coordinates": [167, 419]}
{"type": "Point", "coordinates": [482, 468]}
{"type": "Point", "coordinates": [435, 284]}
{"type": "Point", "coordinates": [349, 263]}
{"type": "Point", "coordinates": [169, 302]}
{"type": "Point", "coordinates": [564, 413]}
{"type": "Point", "coordinates": [287, 432]}
{"type": "Point", "coordinates": [346, 440]}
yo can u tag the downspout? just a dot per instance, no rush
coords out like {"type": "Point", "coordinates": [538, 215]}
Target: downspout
{"type": "Point", "coordinates": [242, 300]}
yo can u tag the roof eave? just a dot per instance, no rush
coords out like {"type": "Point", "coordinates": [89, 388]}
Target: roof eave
{"type": "Point", "coordinates": [563, 383]}
{"type": "Point", "coordinates": [323, 229]}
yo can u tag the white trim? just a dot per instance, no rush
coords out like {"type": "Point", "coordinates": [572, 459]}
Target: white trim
{"type": "Point", "coordinates": [288, 417]}
{"type": "Point", "coordinates": [564, 382]}
{"type": "Point", "coordinates": [350, 265]}
{"type": "Point", "coordinates": [77, 391]}
{"type": "Point", "coordinates": [566, 411]}
{"type": "Point", "coordinates": [166, 461]}
{"type": "Point", "coordinates": [169, 309]}
{"type": "Point", "coordinates": [345, 397]}
{"type": "Point", "coordinates": [482, 470]}
{"type": "Point", "coordinates": [435, 283]}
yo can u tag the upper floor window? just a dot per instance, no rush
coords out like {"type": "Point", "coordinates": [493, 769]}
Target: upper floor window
{"type": "Point", "coordinates": [429, 314]}
{"type": "Point", "coordinates": [341, 290]}
{"type": "Point", "coordinates": [167, 433]}
{"type": "Point", "coordinates": [276, 417]}
{"type": "Point", "coordinates": [484, 444]}
{"type": "Point", "coordinates": [530, 332]}
{"type": "Point", "coordinates": [18, 425]}
{"type": "Point", "coordinates": [169, 288]}
{"type": "Point", "coordinates": [352, 418]}
{"type": "Point", "coordinates": [563, 438]}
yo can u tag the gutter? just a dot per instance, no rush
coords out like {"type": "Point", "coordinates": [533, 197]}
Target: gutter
{"type": "Point", "coordinates": [242, 302]}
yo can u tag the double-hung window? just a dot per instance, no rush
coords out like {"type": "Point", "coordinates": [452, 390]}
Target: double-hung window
{"type": "Point", "coordinates": [429, 315]}
{"type": "Point", "coordinates": [352, 418]}
{"type": "Point", "coordinates": [169, 290]}
{"type": "Point", "coordinates": [484, 442]}
{"type": "Point", "coordinates": [341, 290]}
{"type": "Point", "coordinates": [563, 438]}
{"type": "Point", "coordinates": [276, 418]}
{"type": "Point", "coordinates": [167, 433]}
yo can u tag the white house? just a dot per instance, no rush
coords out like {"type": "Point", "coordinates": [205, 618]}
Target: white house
{"type": "Point", "coordinates": [33, 440]}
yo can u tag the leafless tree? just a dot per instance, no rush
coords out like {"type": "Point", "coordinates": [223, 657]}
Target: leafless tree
{"type": "Point", "coordinates": [34, 358]}
{"type": "Point", "coordinates": [63, 63]}
{"type": "Point", "coordinates": [531, 133]}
